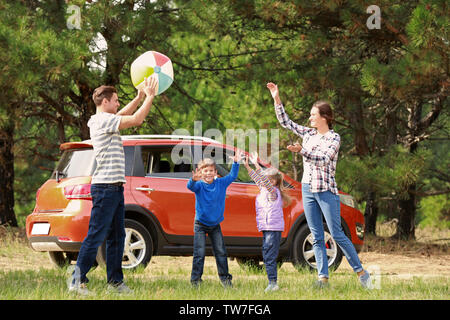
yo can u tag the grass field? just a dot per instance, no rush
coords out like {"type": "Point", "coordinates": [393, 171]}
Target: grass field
{"type": "Point", "coordinates": [25, 274]}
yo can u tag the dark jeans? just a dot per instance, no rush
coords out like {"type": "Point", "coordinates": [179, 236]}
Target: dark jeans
{"type": "Point", "coordinates": [270, 248]}
{"type": "Point", "coordinates": [106, 222]}
{"type": "Point", "coordinates": [219, 250]}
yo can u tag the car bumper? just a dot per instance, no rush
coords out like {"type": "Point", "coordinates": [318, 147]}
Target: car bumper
{"type": "Point", "coordinates": [67, 228]}
{"type": "Point", "coordinates": [49, 243]}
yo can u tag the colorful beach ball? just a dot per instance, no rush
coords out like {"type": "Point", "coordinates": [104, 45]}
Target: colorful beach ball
{"type": "Point", "coordinates": [152, 63]}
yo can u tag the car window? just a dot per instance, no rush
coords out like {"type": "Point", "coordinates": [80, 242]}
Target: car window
{"type": "Point", "coordinates": [159, 162]}
{"type": "Point", "coordinates": [75, 163]}
{"type": "Point", "coordinates": [223, 163]}
{"type": "Point", "coordinates": [81, 162]}
{"type": "Point", "coordinates": [224, 167]}
{"type": "Point", "coordinates": [243, 175]}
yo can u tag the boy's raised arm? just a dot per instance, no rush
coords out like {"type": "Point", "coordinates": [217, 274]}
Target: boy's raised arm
{"type": "Point", "coordinates": [229, 178]}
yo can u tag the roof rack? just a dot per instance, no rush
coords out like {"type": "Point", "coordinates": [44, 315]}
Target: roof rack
{"type": "Point", "coordinates": [168, 136]}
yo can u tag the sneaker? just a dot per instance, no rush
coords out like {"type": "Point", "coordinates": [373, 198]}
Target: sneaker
{"type": "Point", "coordinates": [196, 283]}
{"type": "Point", "coordinates": [365, 280]}
{"type": "Point", "coordinates": [318, 284]}
{"type": "Point", "coordinates": [273, 286]}
{"type": "Point", "coordinates": [227, 284]}
{"type": "Point", "coordinates": [120, 288]}
{"type": "Point", "coordinates": [79, 288]}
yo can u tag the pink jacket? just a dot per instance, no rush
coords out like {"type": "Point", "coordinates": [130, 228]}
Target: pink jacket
{"type": "Point", "coordinates": [269, 214]}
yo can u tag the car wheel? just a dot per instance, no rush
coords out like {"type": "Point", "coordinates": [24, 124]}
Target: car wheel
{"type": "Point", "coordinates": [59, 258]}
{"type": "Point", "coordinates": [138, 248]}
{"type": "Point", "coordinates": [303, 253]}
{"type": "Point", "coordinates": [64, 259]}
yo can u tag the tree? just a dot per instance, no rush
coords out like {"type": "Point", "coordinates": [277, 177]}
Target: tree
{"type": "Point", "coordinates": [52, 74]}
{"type": "Point", "coordinates": [389, 86]}
{"type": "Point", "coordinates": [376, 79]}
{"type": "Point", "coordinates": [417, 81]}
{"type": "Point", "coordinates": [13, 84]}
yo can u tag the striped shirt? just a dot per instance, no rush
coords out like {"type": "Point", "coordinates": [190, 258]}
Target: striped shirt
{"type": "Point", "coordinates": [263, 182]}
{"type": "Point", "coordinates": [108, 148]}
{"type": "Point", "coordinates": [319, 155]}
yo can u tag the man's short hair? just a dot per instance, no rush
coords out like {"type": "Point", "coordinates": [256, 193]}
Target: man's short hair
{"type": "Point", "coordinates": [207, 162]}
{"type": "Point", "coordinates": [103, 92]}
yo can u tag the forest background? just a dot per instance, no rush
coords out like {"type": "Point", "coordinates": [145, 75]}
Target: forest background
{"type": "Point", "coordinates": [385, 71]}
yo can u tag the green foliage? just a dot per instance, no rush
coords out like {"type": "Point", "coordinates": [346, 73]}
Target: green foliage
{"type": "Point", "coordinates": [428, 27]}
{"type": "Point", "coordinates": [389, 175]}
{"type": "Point", "coordinates": [435, 212]}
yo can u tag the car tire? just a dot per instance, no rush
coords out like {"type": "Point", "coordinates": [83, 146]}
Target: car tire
{"type": "Point", "coordinates": [64, 259]}
{"type": "Point", "coordinates": [303, 254]}
{"type": "Point", "coordinates": [138, 249]}
{"type": "Point", "coordinates": [59, 258]}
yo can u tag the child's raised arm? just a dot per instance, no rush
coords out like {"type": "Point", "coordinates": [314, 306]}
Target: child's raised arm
{"type": "Point", "coordinates": [229, 178]}
{"type": "Point", "coordinates": [258, 177]}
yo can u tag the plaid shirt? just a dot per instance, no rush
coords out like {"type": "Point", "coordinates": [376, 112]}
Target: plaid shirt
{"type": "Point", "coordinates": [322, 158]}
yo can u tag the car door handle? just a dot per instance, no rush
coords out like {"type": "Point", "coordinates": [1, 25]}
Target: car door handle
{"type": "Point", "coordinates": [144, 189]}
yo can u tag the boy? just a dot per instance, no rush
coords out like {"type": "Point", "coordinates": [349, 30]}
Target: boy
{"type": "Point", "coordinates": [209, 207]}
{"type": "Point", "coordinates": [107, 215]}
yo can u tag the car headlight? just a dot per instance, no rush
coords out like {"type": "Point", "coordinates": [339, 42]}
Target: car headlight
{"type": "Point", "coordinates": [347, 200]}
{"type": "Point", "coordinates": [360, 231]}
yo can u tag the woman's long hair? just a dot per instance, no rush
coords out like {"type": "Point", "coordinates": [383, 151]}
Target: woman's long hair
{"type": "Point", "coordinates": [278, 177]}
{"type": "Point", "coordinates": [325, 111]}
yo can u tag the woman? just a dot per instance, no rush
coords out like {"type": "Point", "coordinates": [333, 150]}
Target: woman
{"type": "Point", "coordinates": [320, 149]}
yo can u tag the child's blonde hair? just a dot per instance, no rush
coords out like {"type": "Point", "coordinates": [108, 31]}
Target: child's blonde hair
{"type": "Point", "coordinates": [207, 162]}
{"type": "Point", "coordinates": [278, 177]}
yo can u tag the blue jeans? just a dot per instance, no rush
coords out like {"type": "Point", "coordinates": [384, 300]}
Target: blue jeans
{"type": "Point", "coordinates": [270, 248]}
{"type": "Point", "coordinates": [106, 222]}
{"type": "Point", "coordinates": [219, 250]}
{"type": "Point", "coordinates": [327, 204]}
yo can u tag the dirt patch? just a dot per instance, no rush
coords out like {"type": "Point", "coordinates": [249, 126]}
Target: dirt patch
{"type": "Point", "coordinates": [404, 266]}
{"type": "Point", "coordinates": [427, 258]}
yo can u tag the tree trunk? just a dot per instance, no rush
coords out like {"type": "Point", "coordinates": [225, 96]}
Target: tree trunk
{"type": "Point", "coordinates": [406, 220]}
{"type": "Point", "coordinates": [407, 214]}
{"type": "Point", "coordinates": [356, 119]}
{"type": "Point", "coordinates": [87, 108]}
{"type": "Point", "coordinates": [391, 140]}
{"type": "Point", "coordinates": [371, 214]}
{"type": "Point", "coordinates": [362, 149]}
{"type": "Point", "coordinates": [7, 215]}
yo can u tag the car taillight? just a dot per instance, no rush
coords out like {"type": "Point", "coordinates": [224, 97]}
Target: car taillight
{"type": "Point", "coordinates": [80, 191]}
{"type": "Point", "coordinates": [64, 239]}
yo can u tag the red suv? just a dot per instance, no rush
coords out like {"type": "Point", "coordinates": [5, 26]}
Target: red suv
{"type": "Point", "coordinates": [160, 210]}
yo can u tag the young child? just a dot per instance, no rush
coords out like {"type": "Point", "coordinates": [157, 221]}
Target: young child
{"type": "Point", "coordinates": [269, 214]}
{"type": "Point", "coordinates": [209, 207]}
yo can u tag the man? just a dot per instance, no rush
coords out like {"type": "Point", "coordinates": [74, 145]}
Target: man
{"type": "Point", "coordinates": [107, 215]}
